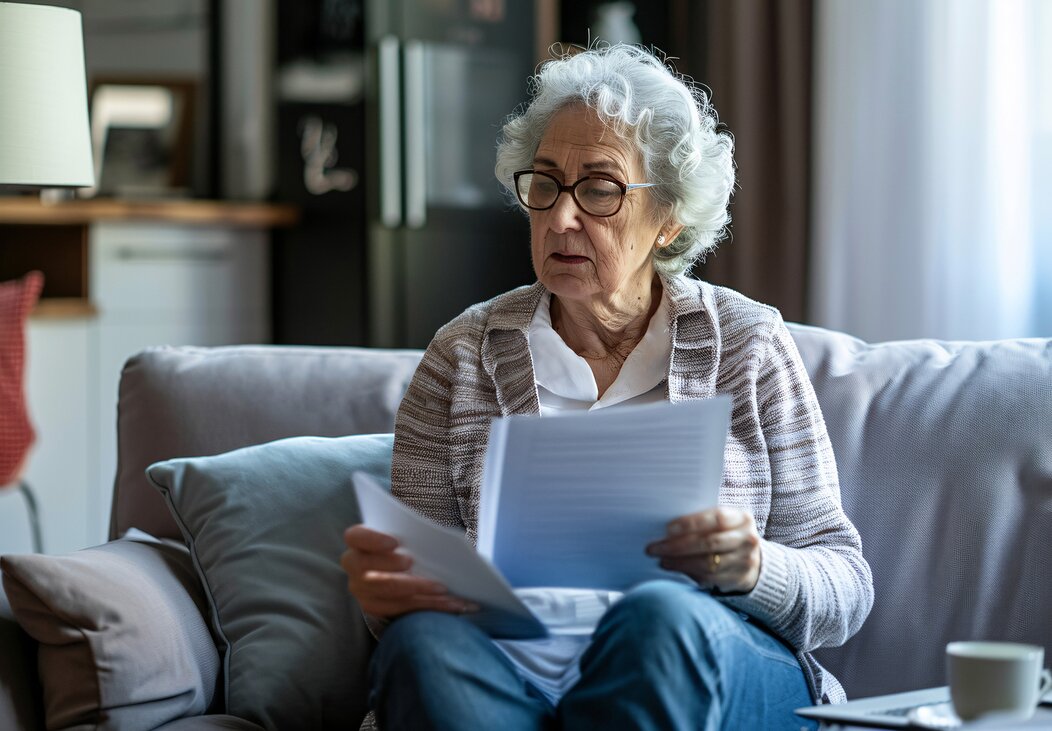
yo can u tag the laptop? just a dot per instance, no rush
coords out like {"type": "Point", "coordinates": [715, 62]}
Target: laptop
{"type": "Point", "coordinates": [891, 711]}
{"type": "Point", "coordinates": [898, 710]}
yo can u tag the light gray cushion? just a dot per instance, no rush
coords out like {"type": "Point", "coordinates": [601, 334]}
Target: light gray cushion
{"type": "Point", "coordinates": [945, 459]}
{"type": "Point", "coordinates": [122, 639]}
{"type": "Point", "coordinates": [265, 527]}
{"type": "Point", "coordinates": [191, 402]}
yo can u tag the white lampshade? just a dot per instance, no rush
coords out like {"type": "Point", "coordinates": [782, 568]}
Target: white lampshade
{"type": "Point", "coordinates": [44, 136]}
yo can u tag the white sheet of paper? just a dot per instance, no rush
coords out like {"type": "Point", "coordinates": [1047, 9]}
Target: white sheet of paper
{"type": "Point", "coordinates": [444, 555]}
{"type": "Point", "coordinates": [573, 500]}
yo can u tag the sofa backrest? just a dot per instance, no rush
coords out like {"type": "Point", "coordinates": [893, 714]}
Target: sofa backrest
{"type": "Point", "coordinates": [944, 452]}
{"type": "Point", "coordinates": [945, 458]}
{"type": "Point", "coordinates": [192, 402]}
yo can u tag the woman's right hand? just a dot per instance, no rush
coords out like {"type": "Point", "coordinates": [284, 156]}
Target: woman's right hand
{"type": "Point", "coordinates": [379, 578]}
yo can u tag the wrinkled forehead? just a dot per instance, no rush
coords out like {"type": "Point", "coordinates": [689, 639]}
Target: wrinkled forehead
{"type": "Point", "coordinates": [577, 136]}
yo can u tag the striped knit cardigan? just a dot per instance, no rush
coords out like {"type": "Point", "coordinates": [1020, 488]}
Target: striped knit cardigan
{"type": "Point", "coordinates": [815, 589]}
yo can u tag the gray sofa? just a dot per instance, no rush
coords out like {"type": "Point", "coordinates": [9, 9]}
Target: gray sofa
{"type": "Point", "coordinates": [944, 451]}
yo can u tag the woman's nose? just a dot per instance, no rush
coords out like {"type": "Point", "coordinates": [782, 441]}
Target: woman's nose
{"type": "Point", "coordinates": [565, 214]}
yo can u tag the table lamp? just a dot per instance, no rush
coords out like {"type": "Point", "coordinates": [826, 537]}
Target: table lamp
{"type": "Point", "coordinates": [44, 144]}
{"type": "Point", "coordinates": [44, 134]}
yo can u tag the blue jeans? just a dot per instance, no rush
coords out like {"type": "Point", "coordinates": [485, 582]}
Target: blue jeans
{"type": "Point", "coordinates": [667, 656]}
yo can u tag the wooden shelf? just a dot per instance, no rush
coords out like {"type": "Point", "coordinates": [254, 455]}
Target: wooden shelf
{"type": "Point", "coordinates": [53, 237]}
{"type": "Point", "coordinates": [32, 212]}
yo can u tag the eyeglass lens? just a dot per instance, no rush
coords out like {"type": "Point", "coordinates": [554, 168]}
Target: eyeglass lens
{"type": "Point", "coordinates": [597, 196]}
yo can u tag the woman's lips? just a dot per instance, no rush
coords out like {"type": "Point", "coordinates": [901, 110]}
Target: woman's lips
{"type": "Point", "coordinates": [569, 258]}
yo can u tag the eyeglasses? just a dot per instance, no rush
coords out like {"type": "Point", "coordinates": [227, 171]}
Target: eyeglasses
{"type": "Point", "coordinates": [595, 196]}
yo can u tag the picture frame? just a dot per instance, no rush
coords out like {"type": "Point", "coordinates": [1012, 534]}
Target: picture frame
{"type": "Point", "coordinates": [141, 135]}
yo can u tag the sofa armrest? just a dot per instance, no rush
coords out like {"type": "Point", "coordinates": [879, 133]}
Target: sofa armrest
{"type": "Point", "coordinates": [21, 704]}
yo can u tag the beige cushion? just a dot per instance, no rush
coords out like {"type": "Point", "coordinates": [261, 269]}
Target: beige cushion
{"type": "Point", "coordinates": [122, 640]}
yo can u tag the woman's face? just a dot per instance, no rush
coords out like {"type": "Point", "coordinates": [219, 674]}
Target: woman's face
{"type": "Point", "coordinates": [576, 255]}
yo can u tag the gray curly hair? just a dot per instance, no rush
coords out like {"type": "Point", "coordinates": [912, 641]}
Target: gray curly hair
{"type": "Point", "coordinates": [667, 117]}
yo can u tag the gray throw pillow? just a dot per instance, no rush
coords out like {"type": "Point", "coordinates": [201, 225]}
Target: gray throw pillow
{"type": "Point", "coordinates": [122, 637]}
{"type": "Point", "coordinates": [265, 525]}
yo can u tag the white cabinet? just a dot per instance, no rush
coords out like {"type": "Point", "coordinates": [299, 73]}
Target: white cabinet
{"type": "Point", "coordinates": [170, 285]}
{"type": "Point", "coordinates": [151, 284]}
{"type": "Point", "coordinates": [148, 270]}
{"type": "Point", "coordinates": [15, 534]}
{"type": "Point", "coordinates": [59, 375]}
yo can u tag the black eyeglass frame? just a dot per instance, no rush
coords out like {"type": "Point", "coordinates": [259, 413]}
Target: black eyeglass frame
{"type": "Point", "coordinates": [572, 190]}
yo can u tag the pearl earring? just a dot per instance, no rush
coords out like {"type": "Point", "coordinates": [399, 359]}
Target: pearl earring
{"type": "Point", "coordinates": [661, 240]}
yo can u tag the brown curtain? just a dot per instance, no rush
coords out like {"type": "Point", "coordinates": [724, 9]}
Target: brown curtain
{"type": "Point", "coordinates": [757, 62]}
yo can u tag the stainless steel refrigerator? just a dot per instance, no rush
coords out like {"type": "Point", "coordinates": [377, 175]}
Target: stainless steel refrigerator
{"type": "Point", "coordinates": [441, 235]}
{"type": "Point", "coordinates": [387, 118]}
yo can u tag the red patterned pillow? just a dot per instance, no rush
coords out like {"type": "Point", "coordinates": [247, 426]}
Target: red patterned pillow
{"type": "Point", "coordinates": [16, 432]}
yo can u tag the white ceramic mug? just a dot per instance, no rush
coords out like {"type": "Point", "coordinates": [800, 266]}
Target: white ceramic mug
{"type": "Point", "coordinates": [996, 677]}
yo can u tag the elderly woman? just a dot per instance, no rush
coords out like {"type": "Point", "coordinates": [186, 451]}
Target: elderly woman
{"type": "Point", "coordinates": [626, 182]}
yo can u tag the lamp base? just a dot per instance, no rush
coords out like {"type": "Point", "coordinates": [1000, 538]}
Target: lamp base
{"type": "Point", "coordinates": [49, 196]}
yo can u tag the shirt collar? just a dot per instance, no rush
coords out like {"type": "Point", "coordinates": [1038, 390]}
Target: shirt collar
{"type": "Point", "coordinates": [695, 336]}
{"type": "Point", "coordinates": [564, 373]}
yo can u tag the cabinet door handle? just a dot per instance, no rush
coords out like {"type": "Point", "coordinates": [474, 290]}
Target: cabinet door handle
{"type": "Point", "coordinates": [390, 133]}
{"type": "Point", "coordinates": [174, 255]}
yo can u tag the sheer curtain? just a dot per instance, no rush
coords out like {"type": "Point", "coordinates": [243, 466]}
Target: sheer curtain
{"type": "Point", "coordinates": [932, 189]}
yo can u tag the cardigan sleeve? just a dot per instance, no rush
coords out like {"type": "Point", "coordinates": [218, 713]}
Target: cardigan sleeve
{"type": "Point", "coordinates": [815, 588]}
{"type": "Point", "coordinates": [420, 466]}
{"type": "Point", "coordinates": [421, 476]}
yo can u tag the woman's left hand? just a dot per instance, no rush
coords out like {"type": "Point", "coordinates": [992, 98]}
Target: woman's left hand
{"type": "Point", "coordinates": [718, 548]}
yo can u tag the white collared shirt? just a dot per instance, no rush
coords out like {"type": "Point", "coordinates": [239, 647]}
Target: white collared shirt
{"type": "Point", "coordinates": [565, 382]}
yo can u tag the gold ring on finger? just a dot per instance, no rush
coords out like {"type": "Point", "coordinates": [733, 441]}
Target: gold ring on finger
{"type": "Point", "coordinates": [715, 561]}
